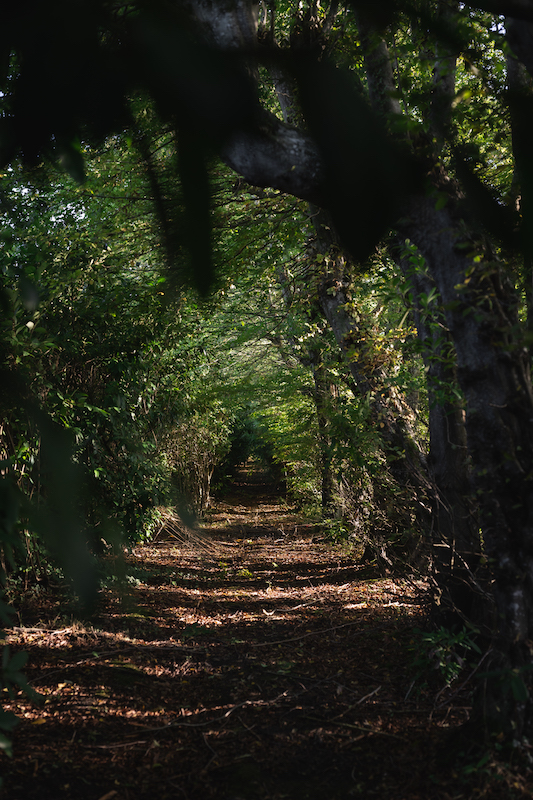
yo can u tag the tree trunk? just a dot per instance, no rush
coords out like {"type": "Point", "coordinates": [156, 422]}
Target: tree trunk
{"type": "Point", "coordinates": [493, 373]}
{"type": "Point", "coordinates": [329, 485]}
{"type": "Point", "coordinates": [390, 415]}
{"type": "Point", "coordinates": [455, 529]}
{"type": "Point", "coordinates": [520, 97]}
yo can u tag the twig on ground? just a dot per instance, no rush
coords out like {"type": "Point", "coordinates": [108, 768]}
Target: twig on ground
{"type": "Point", "coordinates": [366, 697]}
{"type": "Point", "coordinates": [118, 651]}
{"type": "Point", "coordinates": [316, 633]}
{"type": "Point", "coordinates": [358, 703]}
{"type": "Point", "coordinates": [117, 745]}
{"type": "Point", "coordinates": [51, 631]}
{"type": "Point", "coordinates": [215, 754]}
{"type": "Point", "coordinates": [170, 725]}
{"type": "Point", "coordinates": [250, 730]}
{"type": "Point", "coordinates": [368, 731]}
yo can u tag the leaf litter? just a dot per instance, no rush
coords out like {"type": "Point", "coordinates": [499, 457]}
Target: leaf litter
{"type": "Point", "coordinates": [249, 661]}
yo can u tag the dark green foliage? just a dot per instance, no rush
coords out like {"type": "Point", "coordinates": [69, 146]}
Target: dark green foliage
{"type": "Point", "coordinates": [248, 441]}
{"type": "Point", "coordinates": [445, 653]}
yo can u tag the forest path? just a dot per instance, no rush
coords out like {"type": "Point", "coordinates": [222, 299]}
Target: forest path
{"type": "Point", "coordinates": [264, 665]}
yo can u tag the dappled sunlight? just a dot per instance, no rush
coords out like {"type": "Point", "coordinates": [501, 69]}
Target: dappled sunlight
{"type": "Point", "coordinates": [260, 633]}
{"type": "Point", "coordinates": [256, 651]}
{"type": "Point", "coordinates": [277, 582]}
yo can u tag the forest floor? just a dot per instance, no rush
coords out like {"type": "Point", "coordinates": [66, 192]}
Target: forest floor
{"type": "Point", "coordinates": [257, 662]}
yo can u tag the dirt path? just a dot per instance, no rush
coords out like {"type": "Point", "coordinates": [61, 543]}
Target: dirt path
{"type": "Point", "coordinates": [264, 665]}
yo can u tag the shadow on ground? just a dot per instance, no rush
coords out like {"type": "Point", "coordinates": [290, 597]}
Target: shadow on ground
{"type": "Point", "coordinates": [270, 667]}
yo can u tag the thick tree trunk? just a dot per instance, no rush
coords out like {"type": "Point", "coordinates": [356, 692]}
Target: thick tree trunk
{"type": "Point", "coordinates": [456, 543]}
{"type": "Point", "coordinates": [520, 36]}
{"type": "Point", "coordinates": [493, 372]}
{"type": "Point", "coordinates": [493, 375]}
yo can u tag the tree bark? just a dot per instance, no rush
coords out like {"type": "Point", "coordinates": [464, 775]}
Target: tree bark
{"type": "Point", "coordinates": [520, 99]}
{"type": "Point", "coordinates": [380, 77]}
{"type": "Point", "coordinates": [493, 372]}
{"type": "Point", "coordinates": [520, 37]}
{"type": "Point", "coordinates": [268, 152]}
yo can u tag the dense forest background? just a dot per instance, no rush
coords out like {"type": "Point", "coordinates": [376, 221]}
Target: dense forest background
{"type": "Point", "coordinates": [294, 232]}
